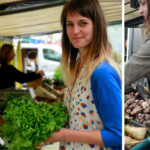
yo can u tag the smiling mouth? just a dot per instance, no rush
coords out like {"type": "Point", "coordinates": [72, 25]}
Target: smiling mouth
{"type": "Point", "coordinates": [77, 38]}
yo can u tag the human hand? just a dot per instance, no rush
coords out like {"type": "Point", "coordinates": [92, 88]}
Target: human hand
{"type": "Point", "coordinates": [41, 72]}
{"type": "Point", "coordinates": [57, 136]}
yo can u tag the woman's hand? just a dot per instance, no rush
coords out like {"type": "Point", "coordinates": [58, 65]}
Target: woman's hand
{"type": "Point", "coordinates": [57, 136]}
{"type": "Point", "coordinates": [41, 72]}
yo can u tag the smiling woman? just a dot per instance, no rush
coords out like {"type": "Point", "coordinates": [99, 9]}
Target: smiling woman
{"type": "Point", "coordinates": [93, 93]}
{"type": "Point", "coordinates": [79, 30]}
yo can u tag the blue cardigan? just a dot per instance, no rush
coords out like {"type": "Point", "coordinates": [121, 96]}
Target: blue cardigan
{"type": "Point", "coordinates": [106, 90]}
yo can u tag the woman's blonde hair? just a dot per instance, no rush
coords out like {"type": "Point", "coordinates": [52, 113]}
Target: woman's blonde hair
{"type": "Point", "coordinates": [4, 51]}
{"type": "Point", "coordinates": [98, 49]}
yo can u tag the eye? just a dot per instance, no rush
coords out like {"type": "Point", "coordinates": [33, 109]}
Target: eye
{"type": "Point", "coordinates": [69, 24]}
{"type": "Point", "coordinates": [142, 3]}
{"type": "Point", "coordinates": [83, 23]}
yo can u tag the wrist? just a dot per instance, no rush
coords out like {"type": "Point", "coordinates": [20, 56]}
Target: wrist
{"type": "Point", "coordinates": [66, 134]}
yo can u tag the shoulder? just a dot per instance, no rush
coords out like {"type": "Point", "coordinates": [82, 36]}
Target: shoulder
{"type": "Point", "coordinates": [10, 68]}
{"type": "Point", "coordinates": [105, 71]}
{"type": "Point", "coordinates": [144, 50]}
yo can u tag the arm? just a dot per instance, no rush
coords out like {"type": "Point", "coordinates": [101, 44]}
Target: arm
{"type": "Point", "coordinates": [90, 137]}
{"type": "Point", "coordinates": [138, 64]}
{"type": "Point", "coordinates": [24, 77]}
{"type": "Point", "coordinates": [106, 90]}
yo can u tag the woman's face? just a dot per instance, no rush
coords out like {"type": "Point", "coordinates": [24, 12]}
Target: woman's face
{"type": "Point", "coordinates": [79, 30]}
{"type": "Point", "coordinates": [143, 10]}
{"type": "Point", "coordinates": [11, 55]}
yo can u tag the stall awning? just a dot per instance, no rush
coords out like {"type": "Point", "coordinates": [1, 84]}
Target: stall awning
{"type": "Point", "coordinates": [47, 19]}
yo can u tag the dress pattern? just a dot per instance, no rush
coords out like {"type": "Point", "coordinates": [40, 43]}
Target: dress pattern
{"type": "Point", "coordinates": [82, 113]}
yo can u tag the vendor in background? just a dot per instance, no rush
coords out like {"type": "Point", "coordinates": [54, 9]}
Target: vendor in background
{"type": "Point", "coordinates": [9, 74]}
{"type": "Point", "coordinates": [93, 94]}
{"type": "Point", "coordinates": [138, 65]}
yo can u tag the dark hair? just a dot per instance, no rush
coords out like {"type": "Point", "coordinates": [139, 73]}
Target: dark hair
{"type": "Point", "coordinates": [4, 51]}
{"type": "Point", "coordinates": [98, 48]}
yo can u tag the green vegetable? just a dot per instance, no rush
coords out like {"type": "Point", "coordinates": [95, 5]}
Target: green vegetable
{"type": "Point", "coordinates": [46, 81]}
{"type": "Point", "coordinates": [3, 103]}
{"type": "Point", "coordinates": [29, 123]}
{"type": "Point", "coordinates": [3, 148]}
{"type": "Point", "coordinates": [58, 81]}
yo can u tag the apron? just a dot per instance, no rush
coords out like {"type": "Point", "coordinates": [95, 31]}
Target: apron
{"type": "Point", "coordinates": [83, 114]}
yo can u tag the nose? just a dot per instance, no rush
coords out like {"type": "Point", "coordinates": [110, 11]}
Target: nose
{"type": "Point", "coordinates": [76, 29]}
{"type": "Point", "coordinates": [141, 11]}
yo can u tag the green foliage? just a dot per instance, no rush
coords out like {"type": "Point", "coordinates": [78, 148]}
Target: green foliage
{"type": "Point", "coordinates": [3, 148]}
{"type": "Point", "coordinates": [58, 80]}
{"type": "Point", "coordinates": [46, 81]}
{"type": "Point", "coordinates": [28, 123]}
{"type": "Point", "coordinates": [3, 103]}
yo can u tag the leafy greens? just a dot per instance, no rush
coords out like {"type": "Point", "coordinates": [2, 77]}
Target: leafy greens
{"type": "Point", "coordinates": [28, 123]}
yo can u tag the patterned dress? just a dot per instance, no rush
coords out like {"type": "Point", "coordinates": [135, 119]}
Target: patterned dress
{"type": "Point", "coordinates": [83, 114]}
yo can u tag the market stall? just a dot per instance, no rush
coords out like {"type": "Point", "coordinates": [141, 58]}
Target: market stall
{"type": "Point", "coordinates": [33, 113]}
{"type": "Point", "coordinates": [30, 116]}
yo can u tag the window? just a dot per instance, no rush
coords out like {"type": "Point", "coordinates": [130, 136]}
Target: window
{"type": "Point", "coordinates": [51, 54]}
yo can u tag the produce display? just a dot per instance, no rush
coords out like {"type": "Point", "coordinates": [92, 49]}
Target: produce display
{"type": "Point", "coordinates": [137, 109]}
{"type": "Point", "coordinates": [3, 105]}
{"type": "Point", "coordinates": [138, 133]}
{"type": "Point", "coordinates": [46, 81]}
{"type": "Point", "coordinates": [130, 142]}
{"type": "Point", "coordinates": [137, 117]}
{"type": "Point", "coordinates": [29, 123]}
{"type": "Point", "coordinates": [57, 78]}
{"type": "Point", "coordinates": [134, 135]}
{"type": "Point", "coordinates": [4, 101]}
